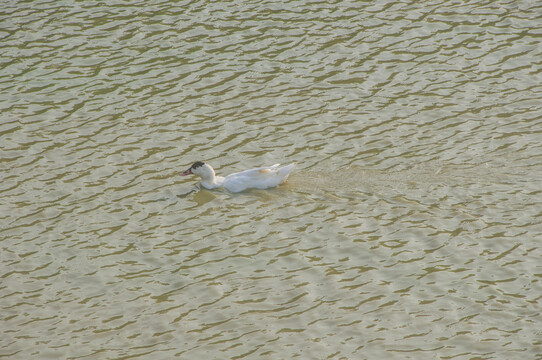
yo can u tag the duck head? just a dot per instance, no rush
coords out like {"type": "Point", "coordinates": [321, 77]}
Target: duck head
{"type": "Point", "coordinates": [201, 169]}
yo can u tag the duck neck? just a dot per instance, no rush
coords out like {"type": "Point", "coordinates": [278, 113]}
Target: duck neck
{"type": "Point", "coordinates": [210, 180]}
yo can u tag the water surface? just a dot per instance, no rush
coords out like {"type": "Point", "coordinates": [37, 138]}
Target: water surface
{"type": "Point", "coordinates": [410, 228]}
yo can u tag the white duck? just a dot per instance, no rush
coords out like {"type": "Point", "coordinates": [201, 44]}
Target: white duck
{"type": "Point", "coordinates": [259, 178]}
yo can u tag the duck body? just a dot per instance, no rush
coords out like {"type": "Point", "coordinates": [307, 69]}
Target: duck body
{"type": "Point", "coordinates": [259, 178]}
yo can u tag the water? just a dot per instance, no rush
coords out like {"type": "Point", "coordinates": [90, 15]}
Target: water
{"type": "Point", "coordinates": [410, 228]}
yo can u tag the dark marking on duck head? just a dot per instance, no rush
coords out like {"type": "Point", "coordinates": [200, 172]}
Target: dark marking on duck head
{"type": "Point", "coordinates": [197, 164]}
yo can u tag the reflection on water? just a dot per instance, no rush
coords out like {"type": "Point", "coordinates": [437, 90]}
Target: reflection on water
{"type": "Point", "coordinates": [408, 230]}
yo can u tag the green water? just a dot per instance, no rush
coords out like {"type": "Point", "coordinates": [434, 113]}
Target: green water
{"type": "Point", "coordinates": [409, 230]}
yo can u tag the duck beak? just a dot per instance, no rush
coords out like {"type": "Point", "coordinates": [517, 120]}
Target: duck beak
{"type": "Point", "coordinates": [187, 172]}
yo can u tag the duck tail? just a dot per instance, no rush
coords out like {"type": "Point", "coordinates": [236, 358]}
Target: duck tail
{"type": "Point", "coordinates": [285, 171]}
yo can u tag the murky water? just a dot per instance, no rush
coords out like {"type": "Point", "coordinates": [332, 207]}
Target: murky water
{"type": "Point", "coordinates": [410, 230]}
